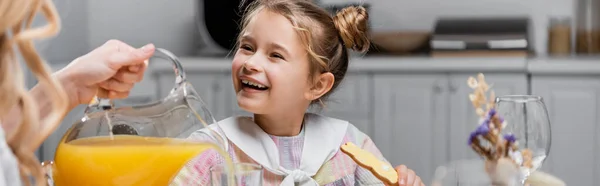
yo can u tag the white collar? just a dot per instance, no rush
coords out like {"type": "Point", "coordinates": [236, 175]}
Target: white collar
{"type": "Point", "coordinates": [323, 137]}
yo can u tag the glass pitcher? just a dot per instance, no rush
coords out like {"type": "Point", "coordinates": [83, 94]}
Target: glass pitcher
{"type": "Point", "coordinates": [134, 145]}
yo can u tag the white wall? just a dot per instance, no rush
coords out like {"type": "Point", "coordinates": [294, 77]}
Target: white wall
{"type": "Point", "coordinates": [89, 23]}
{"type": "Point", "coordinates": [168, 24]}
{"type": "Point", "coordinates": [421, 14]}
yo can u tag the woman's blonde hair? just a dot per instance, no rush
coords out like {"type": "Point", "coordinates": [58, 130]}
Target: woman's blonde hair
{"type": "Point", "coordinates": [16, 17]}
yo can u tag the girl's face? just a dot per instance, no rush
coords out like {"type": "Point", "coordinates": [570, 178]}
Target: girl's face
{"type": "Point", "coordinates": [270, 69]}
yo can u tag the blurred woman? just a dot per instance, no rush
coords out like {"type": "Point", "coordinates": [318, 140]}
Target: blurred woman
{"type": "Point", "coordinates": [28, 117]}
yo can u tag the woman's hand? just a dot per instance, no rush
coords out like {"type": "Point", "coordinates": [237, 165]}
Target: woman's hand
{"type": "Point", "coordinates": [114, 66]}
{"type": "Point", "coordinates": [407, 177]}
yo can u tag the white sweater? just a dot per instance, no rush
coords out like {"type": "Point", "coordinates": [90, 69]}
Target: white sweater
{"type": "Point", "coordinates": [9, 169]}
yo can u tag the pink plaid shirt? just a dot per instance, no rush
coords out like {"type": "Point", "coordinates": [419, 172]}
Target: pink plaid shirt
{"type": "Point", "coordinates": [339, 170]}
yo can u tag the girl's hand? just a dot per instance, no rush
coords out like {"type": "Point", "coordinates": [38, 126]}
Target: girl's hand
{"type": "Point", "coordinates": [114, 66]}
{"type": "Point", "coordinates": [407, 177]}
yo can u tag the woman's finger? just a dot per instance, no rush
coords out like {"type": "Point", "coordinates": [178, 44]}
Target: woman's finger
{"type": "Point", "coordinates": [135, 68]}
{"type": "Point", "coordinates": [402, 174]}
{"type": "Point", "coordinates": [142, 71]}
{"type": "Point", "coordinates": [127, 76]}
{"type": "Point", "coordinates": [118, 95]}
{"type": "Point", "coordinates": [116, 85]}
{"type": "Point", "coordinates": [136, 57]}
{"type": "Point", "coordinates": [114, 45]}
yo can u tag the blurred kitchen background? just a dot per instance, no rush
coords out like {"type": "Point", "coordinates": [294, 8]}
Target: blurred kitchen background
{"type": "Point", "coordinates": [409, 93]}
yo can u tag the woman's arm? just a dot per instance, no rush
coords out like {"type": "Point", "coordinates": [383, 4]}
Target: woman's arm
{"type": "Point", "coordinates": [39, 94]}
{"type": "Point", "coordinates": [114, 66]}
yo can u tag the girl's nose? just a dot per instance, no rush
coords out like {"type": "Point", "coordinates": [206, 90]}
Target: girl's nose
{"type": "Point", "coordinates": [251, 67]}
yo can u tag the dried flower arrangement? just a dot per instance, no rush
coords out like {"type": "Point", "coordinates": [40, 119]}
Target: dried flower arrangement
{"type": "Point", "coordinates": [487, 140]}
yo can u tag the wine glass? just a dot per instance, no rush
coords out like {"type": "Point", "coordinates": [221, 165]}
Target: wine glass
{"type": "Point", "coordinates": [471, 172]}
{"type": "Point", "coordinates": [527, 119]}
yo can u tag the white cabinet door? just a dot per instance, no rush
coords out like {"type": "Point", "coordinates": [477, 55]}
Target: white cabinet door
{"type": "Point", "coordinates": [572, 104]}
{"type": "Point", "coordinates": [463, 118]}
{"type": "Point", "coordinates": [411, 112]}
{"type": "Point", "coordinates": [351, 101]}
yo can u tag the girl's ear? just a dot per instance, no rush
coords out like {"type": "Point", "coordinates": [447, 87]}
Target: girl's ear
{"type": "Point", "coordinates": [321, 85]}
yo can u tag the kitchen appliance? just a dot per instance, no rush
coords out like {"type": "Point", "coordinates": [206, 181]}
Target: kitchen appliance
{"type": "Point", "coordinates": [481, 37]}
{"type": "Point", "coordinates": [217, 23]}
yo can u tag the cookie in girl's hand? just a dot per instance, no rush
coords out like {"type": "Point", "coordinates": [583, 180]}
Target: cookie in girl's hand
{"type": "Point", "coordinates": [382, 170]}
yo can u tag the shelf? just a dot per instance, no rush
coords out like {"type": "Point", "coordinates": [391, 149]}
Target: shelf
{"type": "Point", "coordinates": [379, 64]}
{"type": "Point", "coordinates": [564, 66]}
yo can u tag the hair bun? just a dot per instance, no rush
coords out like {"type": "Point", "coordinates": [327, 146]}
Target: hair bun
{"type": "Point", "coordinates": [351, 23]}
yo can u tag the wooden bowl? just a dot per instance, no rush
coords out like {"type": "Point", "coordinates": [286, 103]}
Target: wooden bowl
{"type": "Point", "coordinates": [399, 41]}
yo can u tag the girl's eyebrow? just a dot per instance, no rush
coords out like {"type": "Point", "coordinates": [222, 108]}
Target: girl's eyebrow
{"type": "Point", "coordinates": [281, 48]}
{"type": "Point", "coordinates": [247, 38]}
{"type": "Point", "coordinates": [276, 46]}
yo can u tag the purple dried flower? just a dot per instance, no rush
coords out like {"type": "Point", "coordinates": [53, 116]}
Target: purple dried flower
{"type": "Point", "coordinates": [472, 137]}
{"type": "Point", "coordinates": [492, 113]}
{"type": "Point", "coordinates": [485, 122]}
{"type": "Point", "coordinates": [510, 138]}
{"type": "Point", "coordinates": [481, 130]}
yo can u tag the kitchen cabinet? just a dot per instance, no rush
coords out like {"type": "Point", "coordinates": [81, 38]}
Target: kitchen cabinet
{"type": "Point", "coordinates": [573, 103]}
{"type": "Point", "coordinates": [351, 101]}
{"type": "Point", "coordinates": [411, 113]}
{"type": "Point", "coordinates": [424, 120]}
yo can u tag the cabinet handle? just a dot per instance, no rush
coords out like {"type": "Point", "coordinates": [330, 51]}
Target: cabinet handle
{"type": "Point", "coordinates": [437, 89]}
{"type": "Point", "coordinates": [216, 86]}
{"type": "Point", "coordinates": [453, 88]}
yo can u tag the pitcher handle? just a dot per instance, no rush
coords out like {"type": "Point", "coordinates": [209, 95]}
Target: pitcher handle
{"type": "Point", "coordinates": [99, 103]}
{"type": "Point", "coordinates": [48, 167]}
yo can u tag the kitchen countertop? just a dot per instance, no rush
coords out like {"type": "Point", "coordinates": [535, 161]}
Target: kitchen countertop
{"type": "Point", "coordinates": [378, 64]}
{"type": "Point", "coordinates": [564, 66]}
{"type": "Point", "coordinates": [534, 66]}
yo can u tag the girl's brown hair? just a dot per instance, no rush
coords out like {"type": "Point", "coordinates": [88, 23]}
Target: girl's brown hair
{"type": "Point", "coordinates": [16, 17]}
{"type": "Point", "coordinates": [326, 38]}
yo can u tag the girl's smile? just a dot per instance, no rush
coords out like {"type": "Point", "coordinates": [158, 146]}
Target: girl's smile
{"type": "Point", "coordinates": [251, 85]}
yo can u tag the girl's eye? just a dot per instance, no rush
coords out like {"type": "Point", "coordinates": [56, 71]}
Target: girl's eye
{"type": "Point", "coordinates": [246, 47]}
{"type": "Point", "coordinates": [276, 55]}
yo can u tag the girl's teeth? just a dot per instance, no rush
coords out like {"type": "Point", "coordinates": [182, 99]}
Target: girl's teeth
{"type": "Point", "coordinates": [252, 83]}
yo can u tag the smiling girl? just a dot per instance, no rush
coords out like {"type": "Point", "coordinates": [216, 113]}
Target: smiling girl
{"type": "Point", "coordinates": [292, 54]}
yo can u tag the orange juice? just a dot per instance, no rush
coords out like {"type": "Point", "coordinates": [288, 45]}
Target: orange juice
{"type": "Point", "coordinates": [123, 160]}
